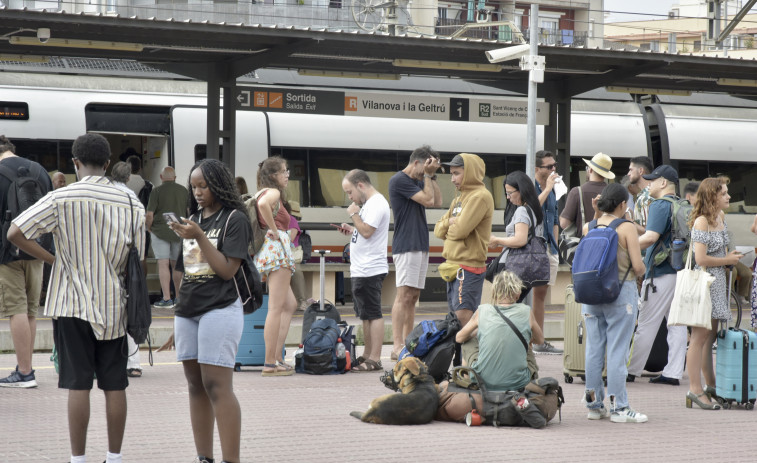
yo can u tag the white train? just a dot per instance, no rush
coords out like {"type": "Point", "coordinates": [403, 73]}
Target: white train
{"type": "Point", "coordinates": [701, 135]}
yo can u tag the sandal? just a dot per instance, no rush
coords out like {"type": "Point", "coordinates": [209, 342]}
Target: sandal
{"type": "Point", "coordinates": [359, 360]}
{"type": "Point", "coordinates": [368, 365]}
{"type": "Point", "coordinates": [275, 370]}
{"type": "Point", "coordinates": [284, 365]}
{"type": "Point", "coordinates": [134, 373]}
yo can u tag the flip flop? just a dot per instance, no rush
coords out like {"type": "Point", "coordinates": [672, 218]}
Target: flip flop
{"type": "Point", "coordinates": [368, 365]}
{"type": "Point", "coordinates": [276, 370]}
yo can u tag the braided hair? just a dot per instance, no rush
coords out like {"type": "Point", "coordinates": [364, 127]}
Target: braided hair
{"type": "Point", "coordinates": [221, 184]}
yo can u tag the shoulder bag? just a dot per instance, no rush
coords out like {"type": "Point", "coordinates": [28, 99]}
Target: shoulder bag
{"type": "Point", "coordinates": [529, 262]}
{"type": "Point", "coordinates": [138, 313]}
{"type": "Point", "coordinates": [570, 236]}
{"type": "Point", "coordinates": [247, 279]}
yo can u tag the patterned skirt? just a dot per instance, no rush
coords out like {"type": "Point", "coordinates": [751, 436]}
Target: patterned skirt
{"type": "Point", "coordinates": [275, 255]}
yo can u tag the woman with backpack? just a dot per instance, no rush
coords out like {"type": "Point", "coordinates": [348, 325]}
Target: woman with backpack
{"type": "Point", "coordinates": [275, 262]}
{"type": "Point", "coordinates": [209, 319]}
{"type": "Point", "coordinates": [609, 326]}
{"type": "Point", "coordinates": [709, 237]}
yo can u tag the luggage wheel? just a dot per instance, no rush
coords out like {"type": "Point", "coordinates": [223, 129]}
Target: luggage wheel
{"type": "Point", "coordinates": [568, 379]}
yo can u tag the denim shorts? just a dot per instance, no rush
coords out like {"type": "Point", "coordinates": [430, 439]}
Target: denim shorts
{"type": "Point", "coordinates": [211, 338]}
{"type": "Point", "coordinates": [464, 292]}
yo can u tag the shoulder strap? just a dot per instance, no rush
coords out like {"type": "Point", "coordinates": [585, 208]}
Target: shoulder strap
{"type": "Point", "coordinates": [133, 225]}
{"type": "Point", "coordinates": [512, 325]}
{"type": "Point", "coordinates": [532, 227]}
{"type": "Point", "coordinates": [616, 223]}
{"type": "Point", "coordinates": [8, 173]}
{"type": "Point", "coordinates": [581, 203]}
{"type": "Point", "coordinates": [592, 224]}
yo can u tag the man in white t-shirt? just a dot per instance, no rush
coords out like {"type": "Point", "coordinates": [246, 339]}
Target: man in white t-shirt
{"type": "Point", "coordinates": [369, 232]}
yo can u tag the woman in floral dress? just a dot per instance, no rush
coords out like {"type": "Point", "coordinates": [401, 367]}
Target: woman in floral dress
{"type": "Point", "coordinates": [709, 236]}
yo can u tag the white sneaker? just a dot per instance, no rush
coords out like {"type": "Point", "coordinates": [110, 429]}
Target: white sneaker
{"type": "Point", "coordinates": [598, 413]}
{"type": "Point", "coordinates": [626, 415]}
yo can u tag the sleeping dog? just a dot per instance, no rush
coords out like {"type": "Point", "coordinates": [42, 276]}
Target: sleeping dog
{"type": "Point", "coordinates": [416, 403]}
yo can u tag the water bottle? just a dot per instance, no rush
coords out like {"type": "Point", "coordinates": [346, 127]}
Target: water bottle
{"type": "Point", "coordinates": [341, 355]}
{"type": "Point", "coordinates": [298, 357]}
{"type": "Point", "coordinates": [676, 254]}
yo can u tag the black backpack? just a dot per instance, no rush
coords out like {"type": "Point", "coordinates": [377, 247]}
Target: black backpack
{"type": "Point", "coordinates": [434, 343]}
{"type": "Point", "coordinates": [138, 313]}
{"type": "Point", "coordinates": [144, 193]}
{"type": "Point", "coordinates": [25, 190]}
{"type": "Point", "coordinates": [307, 246]}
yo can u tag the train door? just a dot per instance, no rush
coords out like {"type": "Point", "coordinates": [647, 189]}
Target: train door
{"type": "Point", "coordinates": [134, 130]}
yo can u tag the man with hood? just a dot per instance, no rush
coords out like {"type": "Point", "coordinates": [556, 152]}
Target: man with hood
{"type": "Point", "coordinates": [465, 229]}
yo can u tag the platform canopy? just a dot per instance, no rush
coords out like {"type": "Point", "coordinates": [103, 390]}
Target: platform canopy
{"type": "Point", "coordinates": [198, 50]}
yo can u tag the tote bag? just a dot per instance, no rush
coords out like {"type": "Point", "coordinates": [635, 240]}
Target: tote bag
{"type": "Point", "coordinates": [692, 305]}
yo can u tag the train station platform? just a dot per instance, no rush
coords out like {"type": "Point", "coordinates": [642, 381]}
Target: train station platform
{"type": "Point", "coordinates": [162, 325]}
{"type": "Point", "coordinates": [305, 418]}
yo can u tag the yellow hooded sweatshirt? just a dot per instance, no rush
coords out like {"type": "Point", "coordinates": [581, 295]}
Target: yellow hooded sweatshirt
{"type": "Point", "coordinates": [466, 241]}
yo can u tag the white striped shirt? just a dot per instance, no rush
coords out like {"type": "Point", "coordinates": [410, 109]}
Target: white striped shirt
{"type": "Point", "coordinates": [91, 223]}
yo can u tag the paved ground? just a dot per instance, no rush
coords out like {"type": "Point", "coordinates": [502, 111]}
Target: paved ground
{"type": "Point", "coordinates": [306, 419]}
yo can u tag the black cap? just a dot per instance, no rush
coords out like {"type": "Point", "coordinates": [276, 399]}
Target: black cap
{"type": "Point", "coordinates": [666, 172]}
{"type": "Point", "coordinates": [457, 161]}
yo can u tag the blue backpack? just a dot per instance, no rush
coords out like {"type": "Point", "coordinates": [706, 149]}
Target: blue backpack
{"type": "Point", "coordinates": [595, 265]}
{"type": "Point", "coordinates": [319, 345]}
{"type": "Point", "coordinates": [433, 341]}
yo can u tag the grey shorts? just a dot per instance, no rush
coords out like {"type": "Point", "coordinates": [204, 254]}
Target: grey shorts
{"type": "Point", "coordinates": [211, 338]}
{"type": "Point", "coordinates": [366, 293]}
{"type": "Point", "coordinates": [163, 249]}
{"type": "Point", "coordinates": [411, 268]}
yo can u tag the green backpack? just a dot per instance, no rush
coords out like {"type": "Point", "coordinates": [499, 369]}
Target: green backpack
{"type": "Point", "coordinates": [679, 232]}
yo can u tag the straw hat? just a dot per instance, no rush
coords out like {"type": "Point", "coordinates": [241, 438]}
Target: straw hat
{"type": "Point", "coordinates": [601, 164]}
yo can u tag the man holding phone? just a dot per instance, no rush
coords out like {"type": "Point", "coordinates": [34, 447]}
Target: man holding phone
{"type": "Point", "coordinates": [167, 203]}
{"type": "Point", "coordinates": [411, 191]}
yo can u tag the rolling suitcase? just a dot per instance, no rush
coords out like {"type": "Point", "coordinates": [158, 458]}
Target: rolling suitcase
{"type": "Point", "coordinates": [574, 351]}
{"type": "Point", "coordinates": [736, 365]}
{"type": "Point", "coordinates": [321, 308]}
{"type": "Point", "coordinates": [251, 350]}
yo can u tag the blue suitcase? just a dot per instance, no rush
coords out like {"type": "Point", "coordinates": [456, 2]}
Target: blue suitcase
{"type": "Point", "coordinates": [736, 366]}
{"type": "Point", "coordinates": [251, 350]}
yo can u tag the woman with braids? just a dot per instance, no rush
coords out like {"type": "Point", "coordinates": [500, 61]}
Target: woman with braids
{"type": "Point", "coordinates": [709, 237]}
{"type": "Point", "coordinates": [209, 319]}
{"type": "Point", "coordinates": [275, 262]}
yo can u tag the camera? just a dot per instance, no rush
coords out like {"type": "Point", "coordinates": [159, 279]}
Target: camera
{"type": "Point", "coordinates": [506, 54]}
{"type": "Point", "coordinates": [43, 34]}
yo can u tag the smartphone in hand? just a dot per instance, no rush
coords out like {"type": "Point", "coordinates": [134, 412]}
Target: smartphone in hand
{"type": "Point", "coordinates": [341, 228]}
{"type": "Point", "coordinates": [170, 217]}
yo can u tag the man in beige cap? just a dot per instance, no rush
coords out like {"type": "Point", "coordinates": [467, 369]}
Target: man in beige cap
{"type": "Point", "coordinates": [597, 170]}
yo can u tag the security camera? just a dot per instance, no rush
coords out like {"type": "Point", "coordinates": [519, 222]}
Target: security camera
{"type": "Point", "coordinates": [43, 34]}
{"type": "Point", "coordinates": [506, 54]}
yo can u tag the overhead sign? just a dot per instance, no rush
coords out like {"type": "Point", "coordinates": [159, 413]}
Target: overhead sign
{"type": "Point", "coordinates": [290, 100]}
{"type": "Point", "coordinates": [392, 105]}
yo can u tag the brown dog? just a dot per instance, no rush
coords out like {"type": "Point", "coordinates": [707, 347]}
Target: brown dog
{"type": "Point", "coordinates": [416, 403]}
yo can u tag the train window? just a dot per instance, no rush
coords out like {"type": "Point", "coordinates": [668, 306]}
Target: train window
{"type": "Point", "coordinates": [740, 174]}
{"type": "Point", "coordinates": [15, 110]}
{"type": "Point", "coordinates": [112, 118]}
{"type": "Point", "coordinates": [316, 174]}
{"type": "Point", "coordinates": [201, 152]}
{"type": "Point", "coordinates": [51, 154]}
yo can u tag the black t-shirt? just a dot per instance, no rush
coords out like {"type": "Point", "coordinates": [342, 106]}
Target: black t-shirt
{"type": "Point", "coordinates": [410, 229]}
{"type": "Point", "coordinates": [13, 163]}
{"type": "Point", "coordinates": [201, 289]}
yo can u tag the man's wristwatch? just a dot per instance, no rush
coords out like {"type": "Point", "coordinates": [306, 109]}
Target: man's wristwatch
{"type": "Point", "coordinates": [432, 177]}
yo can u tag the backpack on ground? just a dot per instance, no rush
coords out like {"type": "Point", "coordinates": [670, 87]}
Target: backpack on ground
{"type": "Point", "coordinates": [25, 190]}
{"type": "Point", "coordinates": [680, 234]}
{"type": "Point", "coordinates": [306, 243]}
{"type": "Point", "coordinates": [433, 341]}
{"type": "Point", "coordinates": [595, 265]}
{"type": "Point", "coordinates": [319, 348]}
{"type": "Point", "coordinates": [258, 232]}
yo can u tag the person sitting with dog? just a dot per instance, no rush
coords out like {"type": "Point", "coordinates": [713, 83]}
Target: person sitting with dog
{"type": "Point", "coordinates": [491, 346]}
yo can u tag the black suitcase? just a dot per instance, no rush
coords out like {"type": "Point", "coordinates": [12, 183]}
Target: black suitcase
{"type": "Point", "coordinates": [321, 308]}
